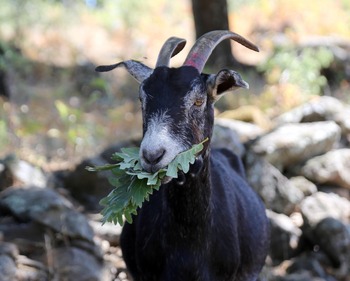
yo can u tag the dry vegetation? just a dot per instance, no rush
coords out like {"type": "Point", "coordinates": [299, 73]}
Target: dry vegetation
{"type": "Point", "coordinates": [60, 110]}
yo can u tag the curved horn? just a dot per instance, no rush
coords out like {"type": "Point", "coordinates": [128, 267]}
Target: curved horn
{"type": "Point", "coordinates": [203, 47]}
{"type": "Point", "coordinates": [171, 47]}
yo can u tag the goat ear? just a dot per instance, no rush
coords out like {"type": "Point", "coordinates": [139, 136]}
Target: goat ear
{"type": "Point", "coordinates": [137, 69]}
{"type": "Point", "coordinates": [226, 80]}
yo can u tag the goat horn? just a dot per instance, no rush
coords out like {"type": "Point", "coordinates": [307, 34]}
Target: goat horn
{"type": "Point", "coordinates": [171, 47]}
{"type": "Point", "coordinates": [203, 47]}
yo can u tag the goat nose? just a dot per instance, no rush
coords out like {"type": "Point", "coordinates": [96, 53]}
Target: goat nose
{"type": "Point", "coordinates": [152, 157]}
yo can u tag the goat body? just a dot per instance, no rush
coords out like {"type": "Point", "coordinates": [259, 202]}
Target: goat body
{"type": "Point", "coordinates": [208, 224]}
{"type": "Point", "coordinates": [210, 228]}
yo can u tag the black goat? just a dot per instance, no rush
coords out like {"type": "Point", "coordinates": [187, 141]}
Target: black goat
{"type": "Point", "coordinates": [208, 224]}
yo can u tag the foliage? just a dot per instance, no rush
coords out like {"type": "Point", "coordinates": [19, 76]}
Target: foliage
{"type": "Point", "coordinates": [3, 133]}
{"type": "Point", "coordinates": [44, 39]}
{"type": "Point", "coordinates": [301, 68]}
{"type": "Point", "coordinates": [133, 185]}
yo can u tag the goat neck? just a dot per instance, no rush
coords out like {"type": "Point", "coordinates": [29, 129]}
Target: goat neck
{"type": "Point", "coordinates": [188, 197]}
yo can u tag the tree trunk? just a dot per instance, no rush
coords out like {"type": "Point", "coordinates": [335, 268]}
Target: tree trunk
{"type": "Point", "coordinates": [213, 15]}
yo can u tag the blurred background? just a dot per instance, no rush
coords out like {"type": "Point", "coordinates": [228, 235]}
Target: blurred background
{"type": "Point", "coordinates": [57, 115]}
{"type": "Point", "coordinates": [55, 109]}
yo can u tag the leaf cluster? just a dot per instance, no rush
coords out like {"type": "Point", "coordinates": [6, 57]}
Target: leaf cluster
{"type": "Point", "coordinates": [132, 185]}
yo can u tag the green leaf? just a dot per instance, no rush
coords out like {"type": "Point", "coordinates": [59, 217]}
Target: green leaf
{"type": "Point", "coordinates": [183, 160]}
{"type": "Point", "coordinates": [101, 168]}
{"type": "Point", "coordinates": [133, 185]}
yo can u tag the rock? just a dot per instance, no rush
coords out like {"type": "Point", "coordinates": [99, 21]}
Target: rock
{"type": "Point", "coordinates": [285, 236]}
{"type": "Point", "coordinates": [46, 207]}
{"type": "Point", "coordinates": [291, 144]}
{"type": "Point", "coordinates": [322, 108]}
{"type": "Point", "coordinates": [273, 187]}
{"type": "Point", "coordinates": [90, 187]}
{"type": "Point", "coordinates": [333, 237]}
{"type": "Point", "coordinates": [330, 168]}
{"type": "Point", "coordinates": [6, 177]}
{"type": "Point", "coordinates": [308, 264]}
{"type": "Point", "coordinates": [70, 263]}
{"type": "Point", "coordinates": [322, 205]}
{"type": "Point", "coordinates": [319, 109]}
{"type": "Point", "coordinates": [28, 236]}
{"type": "Point", "coordinates": [14, 170]}
{"type": "Point", "coordinates": [342, 192]}
{"type": "Point", "coordinates": [31, 270]}
{"type": "Point", "coordinates": [8, 255]}
{"type": "Point", "coordinates": [249, 113]}
{"type": "Point", "coordinates": [227, 138]}
{"type": "Point", "coordinates": [108, 231]}
{"type": "Point", "coordinates": [7, 268]}
{"type": "Point", "coordinates": [246, 131]}
{"type": "Point", "coordinates": [9, 249]}
{"type": "Point", "coordinates": [305, 186]}
{"type": "Point", "coordinates": [325, 219]}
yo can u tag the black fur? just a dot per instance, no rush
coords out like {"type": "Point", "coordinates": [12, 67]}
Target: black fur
{"type": "Point", "coordinates": [200, 231]}
{"type": "Point", "coordinates": [208, 224]}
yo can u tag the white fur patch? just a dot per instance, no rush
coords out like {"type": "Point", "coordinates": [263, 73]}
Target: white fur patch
{"type": "Point", "coordinates": [158, 137]}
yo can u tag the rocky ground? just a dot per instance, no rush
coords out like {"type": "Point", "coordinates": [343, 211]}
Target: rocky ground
{"type": "Point", "coordinates": [50, 228]}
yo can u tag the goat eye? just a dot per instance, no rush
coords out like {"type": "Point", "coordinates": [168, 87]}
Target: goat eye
{"type": "Point", "coordinates": [198, 102]}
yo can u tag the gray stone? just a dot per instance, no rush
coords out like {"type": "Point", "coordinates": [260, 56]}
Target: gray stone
{"type": "Point", "coordinates": [246, 131]}
{"type": "Point", "coordinates": [17, 170]}
{"type": "Point", "coordinates": [31, 270]}
{"type": "Point", "coordinates": [309, 264]}
{"type": "Point", "coordinates": [307, 187]}
{"type": "Point", "coordinates": [227, 138]}
{"type": "Point", "coordinates": [322, 205]}
{"type": "Point", "coordinates": [285, 236]}
{"type": "Point", "coordinates": [333, 237]}
{"type": "Point", "coordinates": [291, 144]}
{"type": "Point", "coordinates": [273, 187]}
{"type": "Point", "coordinates": [9, 249]}
{"type": "Point", "coordinates": [323, 108]}
{"type": "Point", "coordinates": [326, 224]}
{"type": "Point", "coordinates": [330, 168]}
{"type": "Point", "coordinates": [7, 268]}
{"type": "Point", "coordinates": [47, 207]}
{"type": "Point", "coordinates": [108, 231]}
{"type": "Point", "coordinates": [90, 187]}
{"type": "Point", "coordinates": [8, 255]}
{"type": "Point", "coordinates": [70, 263]}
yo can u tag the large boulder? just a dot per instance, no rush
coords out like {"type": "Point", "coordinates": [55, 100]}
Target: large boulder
{"type": "Point", "coordinates": [48, 208]}
{"type": "Point", "coordinates": [248, 113]}
{"type": "Point", "coordinates": [333, 237]}
{"type": "Point", "coordinates": [323, 108]}
{"type": "Point", "coordinates": [304, 185]}
{"type": "Point", "coordinates": [291, 144]}
{"type": "Point", "coordinates": [8, 255]}
{"type": "Point", "coordinates": [322, 205]}
{"type": "Point", "coordinates": [285, 236]}
{"type": "Point", "coordinates": [71, 263]}
{"type": "Point", "coordinates": [227, 138]}
{"type": "Point", "coordinates": [245, 130]}
{"type": "Point", "coordinates": [277, 192]}
{"type": "Point", "coordinates": [326, 224]}
{"type": "Point", "coordinates": [90, 187]}
{"type": "Point", "coordinates": [330, 168]}
{"type": "Point", "coordinates": [14, 170]}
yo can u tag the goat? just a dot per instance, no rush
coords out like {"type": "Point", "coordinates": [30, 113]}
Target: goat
{"type": "Point", "coordinates": [207, 224]}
